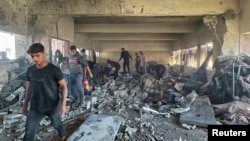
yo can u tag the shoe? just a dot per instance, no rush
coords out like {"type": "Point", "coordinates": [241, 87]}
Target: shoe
{"type": "Point", "coordinates": [63, 138]}
{"type": "Point", "coordinates": [97, 88]}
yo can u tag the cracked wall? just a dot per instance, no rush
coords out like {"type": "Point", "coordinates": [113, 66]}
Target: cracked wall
{"type": "Point", "coordinates": [37, 18]}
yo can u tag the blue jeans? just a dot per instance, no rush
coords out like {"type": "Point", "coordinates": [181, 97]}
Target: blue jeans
{"type": "Point", "coordinates": [68, 81]}
{"type": "Point", "coordinates": [35, 117]}
{"type": "Point", "coordinates": [77, 86]}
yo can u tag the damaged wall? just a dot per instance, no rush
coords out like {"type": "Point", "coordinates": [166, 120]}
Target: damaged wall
{"type": "Point", "coordinates": [110, 7]}
{"type": "Point", "coordinates": [204, 34]}
{"type": "Point", "coordinates": [245, 44]}
{"type": "Point", "coordinates": [244, 16]}
{"type": "Point", "coordinates": [244, 27]}
{"type": "Point", "coordinates": [231, 43]}
{"type": "Point", "coordinates": [22, 43]}
{"type": "Point", "coordinates": [37, 19]}
{"type": "Point", "coordinates": [14, 16]}
{"type": "Point", "coordinates": [64, 29]}
{"type": "Point", "coordinates": [82, 41]}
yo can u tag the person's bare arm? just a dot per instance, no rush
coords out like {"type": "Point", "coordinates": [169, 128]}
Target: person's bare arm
{"type": "Point", "coordinates": [89, 71]}
{"type": "Point", "coordinates": [27, 99]}
{"type": "Point", "coordinates": [64, 91]}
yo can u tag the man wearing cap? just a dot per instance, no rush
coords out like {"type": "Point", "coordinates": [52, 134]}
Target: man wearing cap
{"type": "Point", "coordinates": [45, 84]}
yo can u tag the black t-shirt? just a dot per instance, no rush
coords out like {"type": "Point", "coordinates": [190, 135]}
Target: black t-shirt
{"type": "Point", "coordinates": [45, 88]}
{"type": "Point", "coordinates": [125, 56]}
{"type": "Point", "coordinates": [159, 68]}
{"type": "Point", "coordinates": [91, 64]}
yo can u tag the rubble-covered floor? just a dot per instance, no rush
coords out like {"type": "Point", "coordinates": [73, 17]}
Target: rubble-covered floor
{"type": "Point", "coordinates": [174, 108]}
{"type": "Point", "coordinates": [126, 99]}
{"type": "Point", "coordinates": [166, 129]}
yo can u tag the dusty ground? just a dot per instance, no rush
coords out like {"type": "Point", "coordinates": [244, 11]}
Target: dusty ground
{"type": "Point", "coordinates": [166, 129]}
{"type": "Point", "coordinates": [148, 126]}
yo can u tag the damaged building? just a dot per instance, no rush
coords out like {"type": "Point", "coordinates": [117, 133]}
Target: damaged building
{"type": "Point", "coordinates": [204, 46]}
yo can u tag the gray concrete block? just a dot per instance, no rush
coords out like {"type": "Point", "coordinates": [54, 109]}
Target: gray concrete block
{"type": "Point", "coordinates": [97, 128]}
{"type": "Point", "coordinates": [200, 113]}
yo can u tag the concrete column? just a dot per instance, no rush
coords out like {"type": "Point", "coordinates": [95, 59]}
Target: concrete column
{"type": "Point", "coordinates": [198, 55]}
{"type": "Point", "coordinates": [231, 42]}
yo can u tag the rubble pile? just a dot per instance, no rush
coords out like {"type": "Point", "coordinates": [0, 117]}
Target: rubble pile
{"type": "Point", "coordinates": [151, 108]}
{"type": "Point", "coordinates": [13, 87]}
{"type": "Point", "coordinates": [231, 80]}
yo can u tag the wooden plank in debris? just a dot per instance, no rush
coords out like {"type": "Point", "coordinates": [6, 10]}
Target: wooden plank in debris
{"type": "Point", "coordinates": [97, 128]}
{"type": "Point", "coordinates": [200, 113]}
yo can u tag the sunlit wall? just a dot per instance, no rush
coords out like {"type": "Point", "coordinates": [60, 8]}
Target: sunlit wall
{"type": "Point", "coordinates": [7, 44]}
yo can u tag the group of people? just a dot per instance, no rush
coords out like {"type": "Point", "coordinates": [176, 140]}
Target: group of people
{"type": "Point", "coordinates": [48, 88]}
{"type": "Point", "coordinates": [49, 85]}
{"type": "Point", "coordinates": [75, 68]}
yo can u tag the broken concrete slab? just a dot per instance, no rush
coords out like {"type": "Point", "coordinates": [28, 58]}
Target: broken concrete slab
{"type": "Point", "coordinates": [200, 113]}
{"type": "Point", "coordinates": [97, 128]}
{"type": "Point", "coordinates": [238, 112]}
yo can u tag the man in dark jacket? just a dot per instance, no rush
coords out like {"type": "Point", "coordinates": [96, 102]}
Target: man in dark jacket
{"type": "Point", "coordinates": [125, 56]}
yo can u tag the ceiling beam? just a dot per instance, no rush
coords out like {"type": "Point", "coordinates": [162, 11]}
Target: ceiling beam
{"type": "Point", "coordinates": [137, 28]}
{"type": "Point", "coordinates": [136, 45]}
{"type": "Point", "coordinates": [135, 36]}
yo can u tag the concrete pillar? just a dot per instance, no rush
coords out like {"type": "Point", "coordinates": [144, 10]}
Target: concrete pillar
{"type": "Point", "coordinates": [198, 55]}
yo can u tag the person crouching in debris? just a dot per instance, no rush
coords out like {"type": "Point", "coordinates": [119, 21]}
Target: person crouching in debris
{"type": "Point", "coordinates": [159, 70]}
{"type": "Point", "coordinates": [117, 67]}
{"type": "Point", "coordinates": [43, 98]}
{"type": "Point", "coordinates": [105, 72]}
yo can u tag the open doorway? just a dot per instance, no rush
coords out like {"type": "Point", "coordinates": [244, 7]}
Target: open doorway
{"type": "Point", "coordinates": [7, 44]}
{"type": "Point", "coordinates": [59, 45]}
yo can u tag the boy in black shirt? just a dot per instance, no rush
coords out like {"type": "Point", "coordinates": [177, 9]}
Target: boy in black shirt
{"type": "Point", "coordinates": [46, 82]}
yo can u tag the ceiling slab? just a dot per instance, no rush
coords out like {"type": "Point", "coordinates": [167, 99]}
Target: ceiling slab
{"type": "Point", "coordinates": [135, 36]}
{"type": "Point", "coordinates": [137, 28]}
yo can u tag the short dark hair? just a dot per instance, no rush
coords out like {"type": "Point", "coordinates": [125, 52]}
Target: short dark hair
{"type": "Point", "coordinates": [83, 50]}
{"type": "Point", "coordinates": [73, 47]}
{"type": "Point", "coordinates": [35, 48]}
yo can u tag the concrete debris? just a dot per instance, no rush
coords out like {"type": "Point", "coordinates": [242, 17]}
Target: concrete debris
{"type": "Point", "coordinates": [97, 128]}
{"type": "Point", "coordinates": [189, 127]}
{"type": "Point", "coordinates": [137, 102]}
{"type": "Point", "coordinates": [200, 113]}
{"type": "Point", "coordinates": [235, 112]}
{"type": "Point", "coordinates": [180, 139]}
{"type": "Point", "coordinates": [179, 86]}
{"type": "Point", "coordinates": [230, 79]}
{"type": "Point", "coordinates": [130, 130]}
{"type": "Point", "coordinates": [180, 110]}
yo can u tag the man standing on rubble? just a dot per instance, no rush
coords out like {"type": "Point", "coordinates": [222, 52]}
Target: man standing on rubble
{"type": "Point", "coordinates": [79, 70]}
{"type": "Point", "coordinates": [125, 56]}
{"type": "Point", "coordinates": [43, 98]}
